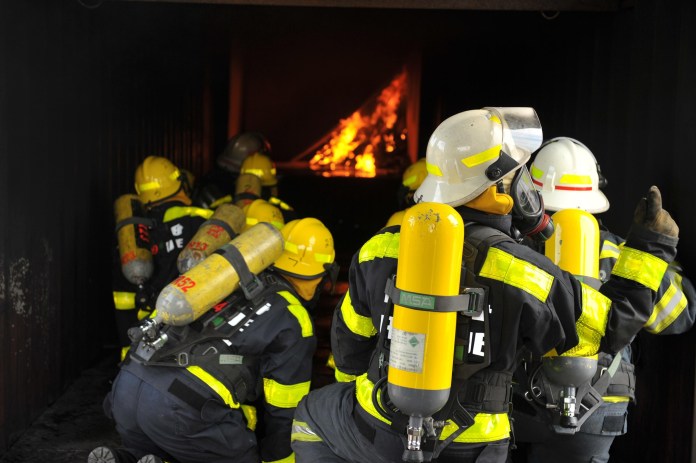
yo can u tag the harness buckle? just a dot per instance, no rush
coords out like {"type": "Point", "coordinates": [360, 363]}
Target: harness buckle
{"type": "Point", "coordinates": [182, 359]}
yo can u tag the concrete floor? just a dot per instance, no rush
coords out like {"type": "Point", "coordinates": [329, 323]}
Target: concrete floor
{"type": "Point", "coordinates": [73, 425]}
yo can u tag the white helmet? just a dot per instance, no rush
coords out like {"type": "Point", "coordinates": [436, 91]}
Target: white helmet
{"type": "Point", "coordinates": [567, 174]}
{"type": "Point", "coordinates": [473, 150]}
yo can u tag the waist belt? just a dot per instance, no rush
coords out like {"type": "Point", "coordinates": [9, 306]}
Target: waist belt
{"type": "Point", "coordinates": [489, 392]}
{"type": "Point", "coordinates": [623, 383]}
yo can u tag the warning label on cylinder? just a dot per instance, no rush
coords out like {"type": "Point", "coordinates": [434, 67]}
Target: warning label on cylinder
{"type": "Point", "coordinates": [407, 350]}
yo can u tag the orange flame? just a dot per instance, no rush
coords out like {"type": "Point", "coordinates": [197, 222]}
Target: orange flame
{"type": "Point", "coordinates": [364, 135]}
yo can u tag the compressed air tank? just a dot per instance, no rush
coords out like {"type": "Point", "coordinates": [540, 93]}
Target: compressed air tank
{"type": "Point", "coordinates": [422, 341]}
{"type": "Point", "coordinates": [133, 238]}
{"type": "Point", "coordinates": [574, 245]}
{"type": "Point", "coordinates": [226, 222]}
{"type": "Point", "coordinates": [247, 189]}
{"type": "Point", "coordinates": [196, 291]}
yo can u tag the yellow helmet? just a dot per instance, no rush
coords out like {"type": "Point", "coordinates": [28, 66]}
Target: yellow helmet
{"type": "Point", "coordinates": [261, 210]}
{"type": "Point", "coordinates": [396, 218]}
{"type": "Point", "coordinates": [157, 179]}
{"type": "Point", "coordinates": [309, 247]}
{"type": "Point", "coordinates": [414, 175]}
{"type": "Point", "coordinates": [260, 165]}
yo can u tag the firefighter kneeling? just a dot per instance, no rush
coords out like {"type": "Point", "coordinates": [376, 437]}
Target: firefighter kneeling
{"type": "Point", "coordinates": [222, 384]}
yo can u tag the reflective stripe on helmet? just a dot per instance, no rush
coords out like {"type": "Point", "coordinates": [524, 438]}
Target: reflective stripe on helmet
{"type": "Point", "coordinates": [484, 156]}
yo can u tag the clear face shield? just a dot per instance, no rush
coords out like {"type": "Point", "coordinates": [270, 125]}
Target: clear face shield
{"type": "Point", "coordinates": [522, 135]}
{"type": "Point", "coordinates": [528, 214]}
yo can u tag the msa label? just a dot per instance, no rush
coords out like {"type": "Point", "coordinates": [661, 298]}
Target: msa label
{"type": "Point", "coordinates": [407, 350]}
{"type": "Point", "coordinates": [421, 301]}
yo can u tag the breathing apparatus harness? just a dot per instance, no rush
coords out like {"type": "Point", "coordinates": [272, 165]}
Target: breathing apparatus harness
{"type": "Point", "coordinates": [205, 341]}
{"type": "Point", "coordinates": [481, 391]}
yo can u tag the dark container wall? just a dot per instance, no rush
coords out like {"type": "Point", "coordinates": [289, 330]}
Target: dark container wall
{"type": "Point", "coordinates": [85, 94]}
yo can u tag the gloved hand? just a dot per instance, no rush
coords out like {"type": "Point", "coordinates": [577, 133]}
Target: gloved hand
{"type": "Point", "coordinates": [649, 213]}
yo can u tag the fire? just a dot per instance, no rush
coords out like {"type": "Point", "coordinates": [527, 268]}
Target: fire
{"type": "Point", "coordinates": [361, 139]}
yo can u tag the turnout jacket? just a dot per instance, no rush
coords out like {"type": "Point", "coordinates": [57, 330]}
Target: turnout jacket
{"type": "Point", "coordinates": [279, 341]}
{"type": "Point", "coordinates": [532, 303]}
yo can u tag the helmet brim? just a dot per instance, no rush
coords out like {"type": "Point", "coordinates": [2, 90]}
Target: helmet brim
{"type": "Point", "coordinates": [593, 201]}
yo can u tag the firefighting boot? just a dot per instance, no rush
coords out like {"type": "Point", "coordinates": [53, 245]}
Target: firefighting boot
{"type": "Point", "coordinates": [151, 459]}
{"type": "Point", "coordinates": [110, 455]}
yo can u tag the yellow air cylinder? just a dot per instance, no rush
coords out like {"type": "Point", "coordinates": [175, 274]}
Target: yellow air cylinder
{"type": "Point", "coordinates": [247, 189]}
{"type": "Point", "coordinates": [574, 245]}
{"type": "Point", "coordinates": [133, 239]}
{"type": "Point", "coordinates": [196, 291]}
{"type": "Point", "coordinates": [422, 343]}
{"type": "Point", "coordinates": [211, 235]}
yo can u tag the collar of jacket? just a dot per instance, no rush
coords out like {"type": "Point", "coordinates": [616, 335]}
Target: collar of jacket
{"type": "Point", "coordinates": [499, 222]}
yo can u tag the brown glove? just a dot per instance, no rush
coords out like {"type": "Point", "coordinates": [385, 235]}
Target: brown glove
{"type": "Point", "coordinates": [649, 213]}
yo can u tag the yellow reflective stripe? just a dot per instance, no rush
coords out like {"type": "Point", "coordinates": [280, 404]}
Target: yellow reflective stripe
{"type": "Point", "coordinates": [291, 247]}
{"type": "Point", "coordinates": [289, 459]}
{"type": "Point", "coordinates": [253, 221]}
{"type": "Point", "coordinates": [303, 433]}
{"type": "Point", "coordinates": [280, 203]}
{"type": "Point", "coordinates": [124, 300]}
{"type": "Point", "coordinates": [124, 352]}
{"type": "Point", "coordinates": [571, 179]}
{"type": "Point", "coordinates": [640, 267]}
{"type": "Point", "coordinates": [592, 322]}
{"type": "Point", "coordinates": [148, 186]}
{"type": "Point", "coordinates": [213, 384]}
{"type": "Point", "coordinates": [536, 172]}
{"type": "Point", "coordinates": [613, 399]}
{"type": "Point", "coordinates": [178, 212]}
{"type": "Point", "coordinates": [363, 392]}
{"type": "Point", "coordinates": [487, 427]}
{"type": "Point", "coordinates": [408, 181]}
{"type": "Point", "coordinates": [501, 266]}
{"type": "Point", "coordinates": [433, 169]}
{"type": "Point", "coordinates": [479, 158]}
{"type": "Point", "coordinates": [609, 250]}
{"type": "Point", "coordinates": [343, 377]}
{"type": "Point", "coordinates": [356, 323]}
{"type": "Point", "coordinates": [669, 307]}
{"type": "Point", "coordinates": [251, 416]}
{"type": "Point", "coordinates": [324, 258]}
{"type": "Point", "coordinates": [382, 245]}
{"type": "Point", "coordinates": [496, 119]}
{"type": "Point", "coordinates": [284, 395]}
{"type": "Point", "coordinates": [223, 200]}
{"type": "Point", "coordinates": [142, 314]}
{"type": "Point", "coordinates": [298, 310]}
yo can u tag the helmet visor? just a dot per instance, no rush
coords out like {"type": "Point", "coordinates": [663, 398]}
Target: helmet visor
{"type": "Point", "coordinates": [526, 199]}
{"type": "Point", "coordinates": [522, 133]}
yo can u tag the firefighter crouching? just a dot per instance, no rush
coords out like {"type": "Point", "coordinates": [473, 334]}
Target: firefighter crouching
{"type": "Point", "coordinates": [152, 228]}
{"type": "Point", "coordinates": [527, 302]}
{"type": "Point", "coordinates": [224, 387]}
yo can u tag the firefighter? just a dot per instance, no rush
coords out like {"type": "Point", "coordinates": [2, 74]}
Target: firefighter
{"type": "Point", "coordinates": [529, 303]}
{"type": "Point", "coordinates": [568, 176]}
{"type": "Point", "coordinates": [222, 178]}
{"type": "Point", "coordinates": [262, 166]}
{"type": "Point", "coordinates": [168, 224]}
{"type": "Point", "coordinates": [234, 396]}
{"type": "Point", "coordinates": [411, 179]}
